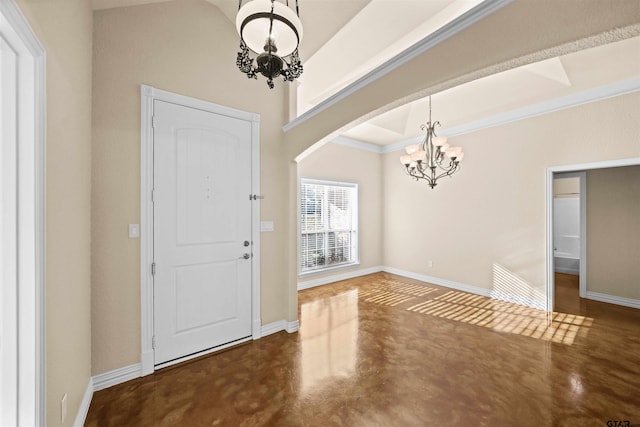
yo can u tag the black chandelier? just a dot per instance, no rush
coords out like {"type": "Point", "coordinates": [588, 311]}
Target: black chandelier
{"type": "Point", "coordinates": [273, 31]}
{"type": "Point", "coordinates": [433, 158]}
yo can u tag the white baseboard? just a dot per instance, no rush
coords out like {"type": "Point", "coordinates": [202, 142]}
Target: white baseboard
{"type": "Point", "coordinates": [465, 287]}
{"type": "Point", "coordinates": [102, 381]}
{"type": "Point", "coordinates": [83, 410]}
{"type": "Point", "coordinates": [438, 281]}
{"type": "Point", "coordinates": [127, 373]}
{"type": "Point", "coordinates": [293, 326]}
{"type": "Point", "coordinates": [117, 376]}
{"type": "Point", "coordinates": [279, 325]}
{"type": "Point", "coordinates": [611, 299]}
{"type": "Point", "coordinates": [516, 299]}
{"type": "Point", "coordinates": [147, 363]}
{"type": "Point", "coordinates": [337, 277]}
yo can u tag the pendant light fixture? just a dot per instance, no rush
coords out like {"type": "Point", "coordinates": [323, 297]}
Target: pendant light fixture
{"type": "Point", "coordinates": [433, 158]}
{"type": "Point", "coordinates": [271, 30]}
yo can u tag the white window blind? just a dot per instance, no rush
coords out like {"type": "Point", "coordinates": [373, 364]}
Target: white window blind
{"type": "Point", "coordinates": [328, 224]}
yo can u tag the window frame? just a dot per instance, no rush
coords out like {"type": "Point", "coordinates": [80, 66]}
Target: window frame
{"type": "Point", "coordinates": [354, 229]}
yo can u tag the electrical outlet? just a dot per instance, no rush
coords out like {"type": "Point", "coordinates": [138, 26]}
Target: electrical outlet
{"type": "Point", "coordinates": [63, 408]}
{"type": "Point", "coordinates": [429, 263]}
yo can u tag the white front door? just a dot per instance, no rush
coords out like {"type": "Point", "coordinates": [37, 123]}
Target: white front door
{"type": "Point", "coordinates": [202, 230]}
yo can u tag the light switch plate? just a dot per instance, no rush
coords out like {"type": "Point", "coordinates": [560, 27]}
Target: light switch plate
{"type": "Point", "coordinates": [266, 225]}
{"type": "Point", "coordinates": [134, 231]}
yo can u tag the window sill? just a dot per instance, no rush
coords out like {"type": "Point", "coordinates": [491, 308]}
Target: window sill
{"type": "Point", "coordinates": [328, 269]}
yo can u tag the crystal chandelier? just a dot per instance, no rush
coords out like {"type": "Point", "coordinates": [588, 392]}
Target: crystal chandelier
{"type": "Point", "coordinates": [273, 31]}
{"type": "Point", "coordinates": [433, 158]}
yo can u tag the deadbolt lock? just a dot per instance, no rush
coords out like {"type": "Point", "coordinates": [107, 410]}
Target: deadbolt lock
{"type": "Point", "coordinates": [246, 243]}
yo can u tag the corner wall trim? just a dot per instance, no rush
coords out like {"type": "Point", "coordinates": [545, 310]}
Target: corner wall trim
{"type": "Point", "coordinates": [83, 410]}
{"type": "Point", "coordinates": [117, 376]}
{"type": "Point", "coordinates": [337, 277]}
{"type": "Point", "coordinates": [612, 299]}
{"type": "Point", "coordinates": [280, 325]}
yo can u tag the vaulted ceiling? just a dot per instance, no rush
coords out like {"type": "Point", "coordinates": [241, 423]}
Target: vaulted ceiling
{"type": "Point", "coordinates": [346, 39]}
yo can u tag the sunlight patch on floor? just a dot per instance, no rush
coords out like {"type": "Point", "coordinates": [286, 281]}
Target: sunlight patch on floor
{"type": "Point", "coordinates": [407, 288]}
{"type": "Point", "coordinates": [386, 298]}
{"type": "Point", "coordinates": [393, 292]}
{"type": "Point", "coordinates": [330, 337]}
{"type": "Point", "coordinates": [508, 317]}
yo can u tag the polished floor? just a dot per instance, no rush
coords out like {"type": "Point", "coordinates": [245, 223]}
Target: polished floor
{"type": "Point", "coordinates": [384, 350]}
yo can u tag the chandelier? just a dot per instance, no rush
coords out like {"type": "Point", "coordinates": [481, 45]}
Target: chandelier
{"type": "Point", "coordinates": [433, 158]}
{"type": "Point", "coordinates": [273, 31]}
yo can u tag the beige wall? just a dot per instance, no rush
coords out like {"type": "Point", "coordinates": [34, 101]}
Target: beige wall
{"type": "Point", "coordinates": [485, 226]}
{"type": "Point", "coordinates": [613, 231]}
{"type": "Point", "coordinates": [340, 163]}
{"type": "Point", "coordinates": [64, 29]}
{"type": "Point", "coordinates": [188, 47]}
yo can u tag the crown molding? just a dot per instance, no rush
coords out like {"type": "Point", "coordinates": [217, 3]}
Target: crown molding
{"type": "Point", "coordinates": [600, 93]}
{"type": "Point", "coordinates": [360, 145]}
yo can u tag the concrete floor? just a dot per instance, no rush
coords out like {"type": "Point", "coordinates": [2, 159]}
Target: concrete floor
{"type": "Point", "coordinates": [384, 350]}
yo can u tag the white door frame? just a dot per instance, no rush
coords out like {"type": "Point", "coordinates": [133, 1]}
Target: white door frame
{"type": "Point", "coordinates": [566, 171]}
{"type": "Point", "coordinates": [148, 95]}
{"type": "Point", "coordinates": [27, 211]}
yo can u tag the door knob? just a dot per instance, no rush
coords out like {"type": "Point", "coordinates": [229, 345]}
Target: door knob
{"type": "Point", "coordinates": [245, 256]}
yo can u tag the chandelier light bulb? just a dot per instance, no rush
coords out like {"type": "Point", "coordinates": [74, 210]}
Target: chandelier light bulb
{"type": "Point", "coordinates": [253, 23]}
{"type": "Point", "coordinates": [418, 156]}
{"type": "Point", "coordinates": [451, 153]}
{"type": "Point", "coordinates": [273, 31]}
{"type": "Point", "coordinates": [439, 141]}
{"type": "Point", "coordinates": [405, 160]}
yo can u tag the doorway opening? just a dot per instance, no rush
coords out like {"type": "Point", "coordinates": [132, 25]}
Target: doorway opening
{"type": "Point", "coordinates": [569, 242]}
{"type": "Point", "coordinates": [585, 291]}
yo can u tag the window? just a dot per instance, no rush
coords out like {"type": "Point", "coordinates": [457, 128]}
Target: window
{"type": "Point", "coordinates": [328, 225]}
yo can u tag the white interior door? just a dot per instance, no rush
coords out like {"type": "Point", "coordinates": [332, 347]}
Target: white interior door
{"type": "Point", "coordinates": [202, 219]}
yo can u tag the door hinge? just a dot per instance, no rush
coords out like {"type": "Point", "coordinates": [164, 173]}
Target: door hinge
{"type": "Point", "coordinates": [153, 268]}
{"type": "Point", "coordinates": [154, 121]}
{"type": "Point", "coordinates": [153, 195]}
{"type": "Point", "coordinates": [153, 342]}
